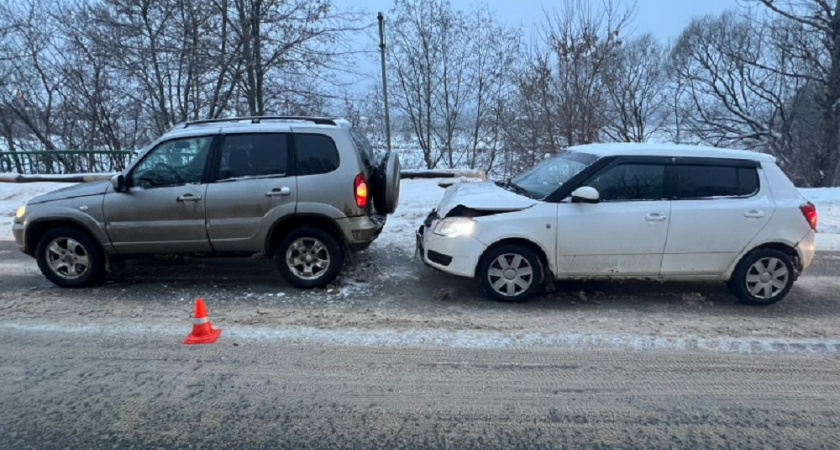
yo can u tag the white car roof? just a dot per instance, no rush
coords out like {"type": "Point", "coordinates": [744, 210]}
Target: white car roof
{"type": "Point", "coordinates": [637, 149]}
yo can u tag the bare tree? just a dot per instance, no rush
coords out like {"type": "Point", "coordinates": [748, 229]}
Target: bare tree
{"type": "Point", "coordinates": [493, 52]}
{"type": "Point", "coordinates": [638, 86]}
{"type": "Point", "coordinates": [808, 32]}
{"type": "Point", "coordinates": [737, 91]}
{"type": "Point", "coordinates": [583, 38]}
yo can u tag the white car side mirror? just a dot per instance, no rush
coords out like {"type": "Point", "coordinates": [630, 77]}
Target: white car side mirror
{"type": "Point", "coordinates": [585, 194]}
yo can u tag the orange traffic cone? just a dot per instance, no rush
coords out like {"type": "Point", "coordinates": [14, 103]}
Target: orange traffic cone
{"type": "Point", "coordinates": [202, 332]}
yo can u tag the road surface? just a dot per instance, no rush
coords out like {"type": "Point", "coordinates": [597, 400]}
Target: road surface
{"type": "Point", "coordinates": [396, 356]}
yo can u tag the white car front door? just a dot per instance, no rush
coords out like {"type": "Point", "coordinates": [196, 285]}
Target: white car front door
{"type": "Point", "coordinates": [624, 233]}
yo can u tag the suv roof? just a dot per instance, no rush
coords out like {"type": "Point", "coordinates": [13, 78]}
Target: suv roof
{"type": "Point", "coordinates": [637, 149]}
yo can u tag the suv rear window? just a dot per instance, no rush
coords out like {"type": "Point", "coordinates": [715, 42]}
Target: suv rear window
{"type": "Point", "coordinates": [698, 181]}
{"type": "Point", "coordinates": [363, 146]}
{"type": "Point", "coordinates": [316, 153]}
{"type": "Point", "coordinates": [253, 155]}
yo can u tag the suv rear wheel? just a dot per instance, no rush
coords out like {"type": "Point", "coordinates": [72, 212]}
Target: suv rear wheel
{"type": "Point", "coordinates": [763, 277]}
{"type": "Point", "coordinates": [309, 257]}
{"type": "Point", "coordinates": [69, 258]}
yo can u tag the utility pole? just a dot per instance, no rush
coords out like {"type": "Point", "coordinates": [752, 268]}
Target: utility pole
{"type": "Point", "coordinates": [381, 18]}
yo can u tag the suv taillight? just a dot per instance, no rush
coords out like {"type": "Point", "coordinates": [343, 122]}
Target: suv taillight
{"type": "Point", "coordinates": [360, 189]}
{"type": "Point", "coordinates": [810, 213]}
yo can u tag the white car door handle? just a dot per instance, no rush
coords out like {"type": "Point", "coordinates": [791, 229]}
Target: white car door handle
{"type": "Point", "coordinates": [189, 198]}
{"type": "Point", "coordinates": [285, 190]}
{"type": "Point", "coordinates": [656, 217]}
{"type": "Point", "coordinates": [754, 214]}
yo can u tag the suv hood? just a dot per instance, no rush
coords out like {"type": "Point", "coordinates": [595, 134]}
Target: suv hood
{"type": "Point", "coordinates": [77, 190]}
{"type": "Point", "coordinates": [484, 196]}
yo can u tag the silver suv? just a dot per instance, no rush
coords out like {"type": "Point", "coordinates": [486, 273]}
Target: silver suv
{"type": "Point", "coordinates": [305, 191]}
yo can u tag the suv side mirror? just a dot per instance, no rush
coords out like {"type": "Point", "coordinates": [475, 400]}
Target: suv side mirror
{"type": "Point", "coordinates": [586, 194]}
{"type": "Point", "coordinates": [118, 183]}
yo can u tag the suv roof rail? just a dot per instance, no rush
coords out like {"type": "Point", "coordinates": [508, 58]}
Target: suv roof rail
{"type": "Point", "coordinates": [258, 119]}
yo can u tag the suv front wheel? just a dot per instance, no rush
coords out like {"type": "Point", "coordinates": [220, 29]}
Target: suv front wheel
{"type": "Point", "coordinates": [763, 277]}
{"type": "Point", "coordinates": [309, 257]}
{"type": "Point", "coordinates": [69, 258]}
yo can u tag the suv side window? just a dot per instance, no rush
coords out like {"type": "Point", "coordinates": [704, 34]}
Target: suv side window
{"type": "Point", "coordinates": [253, 155]}
{"type": "Point", "coordinates": [630, 182]}
{"type": "Point", "coordinates": [698, 181]}
{"type": "Point", "coordinates": [173, 163]}
{"type": "Point", "coordinates": [316, 154]}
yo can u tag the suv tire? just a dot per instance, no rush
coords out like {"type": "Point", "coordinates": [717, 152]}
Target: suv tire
{"type": "Point", "coordinates": [763, 277]}
{"type": "Point", "coordinates": [510, 273]}
{"type": "Point", "coordinates": [69, 258]}
{"type": "Point", "coordinates": [386, 184]}
{"type": "Point", "coordinates": [309, 257]}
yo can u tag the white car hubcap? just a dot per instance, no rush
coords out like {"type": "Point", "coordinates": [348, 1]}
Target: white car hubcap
{"type": "Point", "coordinates": [510, 274]}
{"type": "Point", "coordinates": [767, 278]}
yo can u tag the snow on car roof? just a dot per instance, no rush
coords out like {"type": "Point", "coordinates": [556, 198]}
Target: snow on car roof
{"type": "Point", "coordinates": [637, 149]}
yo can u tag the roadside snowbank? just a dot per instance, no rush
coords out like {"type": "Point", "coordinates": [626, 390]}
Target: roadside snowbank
{"type": "Point", "coordinates": [12, 195]}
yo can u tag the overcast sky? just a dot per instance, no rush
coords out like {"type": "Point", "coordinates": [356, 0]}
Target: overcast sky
{"type": "Point", "coordinates": [664, 18]}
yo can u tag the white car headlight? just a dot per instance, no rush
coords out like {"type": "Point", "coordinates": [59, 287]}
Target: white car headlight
{"type": "Point", "coordinates": [455, 226]}
{"type": "Point", "coordinates": [21, 211]}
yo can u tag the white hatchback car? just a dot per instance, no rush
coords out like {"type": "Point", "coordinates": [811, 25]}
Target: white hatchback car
{"type": "Point", "coordinates": [628, 211]}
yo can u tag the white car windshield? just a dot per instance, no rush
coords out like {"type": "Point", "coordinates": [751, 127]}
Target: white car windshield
{"type": "Point", "coordinates": [544, 178]}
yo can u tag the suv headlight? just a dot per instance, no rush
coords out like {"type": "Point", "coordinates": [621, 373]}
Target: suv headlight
{"type": "Point", "coordinates": [21, 211]}
{"type": "Point", "coordinates": [455, 226]}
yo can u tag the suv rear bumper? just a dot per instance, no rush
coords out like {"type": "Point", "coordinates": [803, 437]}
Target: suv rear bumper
{"type": "Point", "coordinates": [360, 232]}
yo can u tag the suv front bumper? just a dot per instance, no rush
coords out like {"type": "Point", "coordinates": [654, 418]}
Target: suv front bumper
{"type": "Point", "coordinates": [17, 232]}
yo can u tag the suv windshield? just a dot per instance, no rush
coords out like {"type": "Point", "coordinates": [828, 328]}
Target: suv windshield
{"type": "Point", "coordinates": [544, 178]}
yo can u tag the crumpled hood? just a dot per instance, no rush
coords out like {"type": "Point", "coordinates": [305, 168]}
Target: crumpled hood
{"type": "Point", "coordinates": [485, 196]}
{"type": "Point", "coordinates": [77, 190]}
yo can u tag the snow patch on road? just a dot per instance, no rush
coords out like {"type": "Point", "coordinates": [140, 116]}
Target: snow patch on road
{"type": "Point", "coordinates": [462, 339]}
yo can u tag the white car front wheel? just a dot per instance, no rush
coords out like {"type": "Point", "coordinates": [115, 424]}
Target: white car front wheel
{"type": "Point", "coordinates": [510, 273]}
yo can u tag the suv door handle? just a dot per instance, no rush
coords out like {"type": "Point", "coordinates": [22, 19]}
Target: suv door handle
{"type": "Point", "coordinates": [285, 190]}
{"type": "Point", "coordinates": [754, 214]}
{"type": "Point", "coordinates": [655, 217]}
{"type": "Point", "coordinates": [189, 198]}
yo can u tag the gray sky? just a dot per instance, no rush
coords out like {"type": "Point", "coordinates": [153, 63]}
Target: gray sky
{"type": "Point", "coordinates": [663, 18]}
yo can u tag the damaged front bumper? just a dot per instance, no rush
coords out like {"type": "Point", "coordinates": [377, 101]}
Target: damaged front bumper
{"type": "Point", "coordinates": [455, 255]}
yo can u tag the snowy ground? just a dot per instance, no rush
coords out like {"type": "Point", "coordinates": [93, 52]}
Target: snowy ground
{"type": "Point", "coordinates": [417, 197]}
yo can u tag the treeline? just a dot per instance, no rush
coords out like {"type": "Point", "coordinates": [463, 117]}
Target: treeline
{"type": "Point", "coordinates": [467, 90]}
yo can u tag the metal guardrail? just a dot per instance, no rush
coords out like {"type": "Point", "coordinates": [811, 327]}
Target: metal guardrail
{"type": "Point", "coordinates": [64, 161]}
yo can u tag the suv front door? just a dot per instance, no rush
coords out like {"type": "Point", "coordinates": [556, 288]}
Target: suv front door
{"type": "Point", "coordinates": [163, 210]}
{"type": "Point", "coordinates": [253, 188]}
{"type": "Point", "coordinates": [621, 235]}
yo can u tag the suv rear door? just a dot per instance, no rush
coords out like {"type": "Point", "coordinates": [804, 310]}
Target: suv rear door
{"type": "Point", "coordinates": [253, 187]}
{"type": "Point", "coordinates": [718, 207]}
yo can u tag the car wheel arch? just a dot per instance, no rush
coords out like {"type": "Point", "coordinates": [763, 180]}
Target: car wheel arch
{"type": "Point", "coordinates": [783, 247]}
{"type": "Point", "coordinates": [533, 246]}
{"type": "Point", "coordinates": [284, 225]}
{"type": "Point", "coordinates": [36, 230]}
